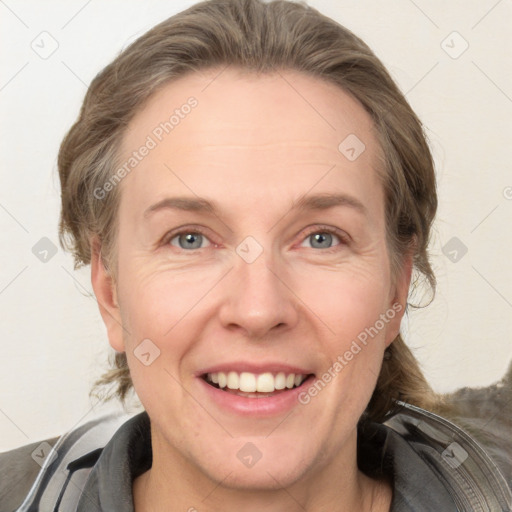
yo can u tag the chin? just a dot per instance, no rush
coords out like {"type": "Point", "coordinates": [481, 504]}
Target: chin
{"type": "Point", "coordinates": [268, 477]}
{"type": "Point", "coordinates": [258, 464]}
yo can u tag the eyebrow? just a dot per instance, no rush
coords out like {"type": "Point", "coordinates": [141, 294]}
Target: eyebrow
{"type": "Point", "coordinates": [304, 203]}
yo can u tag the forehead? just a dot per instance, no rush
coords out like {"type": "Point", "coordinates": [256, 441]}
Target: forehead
{"type": "Point", "coordinates": [231, 98]}
{"type": "Point", "coordinates": [283, 130]}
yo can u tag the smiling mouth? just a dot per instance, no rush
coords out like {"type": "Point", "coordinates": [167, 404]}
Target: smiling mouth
{"type": "Point", "coordinates": [250, 385]}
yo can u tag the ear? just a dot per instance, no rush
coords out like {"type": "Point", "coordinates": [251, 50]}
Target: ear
{"type": "Point", "coordinates": [399, 297]}
{"type": "Point", "coordinates": [106, 295]}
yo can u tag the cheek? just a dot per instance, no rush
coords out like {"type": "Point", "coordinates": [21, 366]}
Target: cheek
{"type": "Point", "coordinates": [156, 300]}
{"type": "Point", "coordinates": [348, 300]}
{"type": "Point", "coordinates": [351, 304]}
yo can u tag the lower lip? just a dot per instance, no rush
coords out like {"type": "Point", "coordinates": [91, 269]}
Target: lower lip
{"type": "Point", "coordinates": [264, 406]}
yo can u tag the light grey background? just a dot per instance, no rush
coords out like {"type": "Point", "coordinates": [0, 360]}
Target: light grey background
{"type": "Point", "coordinates": [53, 342]}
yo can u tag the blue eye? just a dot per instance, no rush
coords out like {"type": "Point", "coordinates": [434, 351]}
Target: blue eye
{"type": "Point", "coordinates": [188, 240]}
{"type": "Point", "coordinates": [324, 239]}
{"type": "Point", "coordinates": [321, 240]}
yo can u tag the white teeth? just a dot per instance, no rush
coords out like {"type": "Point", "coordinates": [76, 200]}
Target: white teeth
{"type": "Point", "coordinates": [247, 382]}
{"type": "Point", "coordinates": [250, 382]}
{"type": "Point", "coordinates": [265, 383]}
{"type": "Point", "coordinates": [280, 381]}
{"type": "Point", "coordinates": [233, 380]}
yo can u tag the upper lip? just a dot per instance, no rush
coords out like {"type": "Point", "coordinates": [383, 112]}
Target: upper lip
{"type": "Point", "coordinates": [246, 366]}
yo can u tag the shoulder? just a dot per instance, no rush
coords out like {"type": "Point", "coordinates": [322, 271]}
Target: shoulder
{"type": "Point", "coordinates": [454, 460]}
{"type": "Point", "coordinates": [19, 469]}
{"type": "Point", "coordinates": [486, 414]}
{"type": "Point", "coordinates": [41, 472]}
{"type": "Point", "coordinates": [467, 442]}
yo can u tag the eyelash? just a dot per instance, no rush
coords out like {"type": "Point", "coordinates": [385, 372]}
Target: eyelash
{"type": "Point", "coordinates": [344, 239]}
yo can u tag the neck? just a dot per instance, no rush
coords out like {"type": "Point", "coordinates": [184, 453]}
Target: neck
{"type": "Point", "coordinates": [179, 486]}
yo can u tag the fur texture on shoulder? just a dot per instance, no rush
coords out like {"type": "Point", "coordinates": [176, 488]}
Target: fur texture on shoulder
{"type": "Point", "coordinates": [486, 414]}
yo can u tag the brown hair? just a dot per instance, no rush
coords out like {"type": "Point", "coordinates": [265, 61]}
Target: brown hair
{"type": "Point", "coordinates": [259, 37]}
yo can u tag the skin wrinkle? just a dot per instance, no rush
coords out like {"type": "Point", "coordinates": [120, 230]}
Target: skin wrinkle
{"type": "Point", "coordinates": [251, 314]}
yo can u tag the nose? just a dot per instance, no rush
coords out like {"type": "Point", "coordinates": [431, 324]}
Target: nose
{"type": "Point", "coordinates": [258, 301]}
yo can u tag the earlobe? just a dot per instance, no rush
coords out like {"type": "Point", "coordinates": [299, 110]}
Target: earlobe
{"type": "Point", "coordinates": [399, 301]}
{"type": "Point", "coordinates": [106, 295]}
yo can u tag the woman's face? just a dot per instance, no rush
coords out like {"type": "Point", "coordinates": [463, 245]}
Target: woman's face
{"type": "Point", "coordinates": [251, 247]}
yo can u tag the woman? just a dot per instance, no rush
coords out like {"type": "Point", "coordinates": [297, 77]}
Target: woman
{"type": "Point", "coordinates": [253, 193]}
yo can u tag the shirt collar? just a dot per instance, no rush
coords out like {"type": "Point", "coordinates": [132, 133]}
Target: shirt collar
{"type": "Point", "coordinates": [126, 456]}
